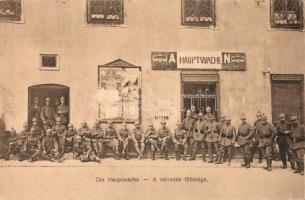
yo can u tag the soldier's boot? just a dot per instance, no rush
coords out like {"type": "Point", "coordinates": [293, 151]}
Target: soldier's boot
{"type": "Point", "coordinates": [203, 156]}
{"type": "Point", "coordinates": [260, 157]}
{"type": "Point", "coordinates": [284, 164]}
{"type": "Point", "coordinates": [244, 163]}
{"type": "Point", "coordinates": [301, 168]}
{"type": "Point", "coordinates": [177, 156]}
{"type": "Point", "coordinates": [166, 155]}
{"type": "Point", "coordinates": [229, 162]}
{"type": "Point", "coordinates": [153, 155]}
{"type": "Point", "coordinates": [292, 164]}
{"type": "Point", "coordinates": [267, 163]}
{"type": "Point", "coordinates": [298, 168]}
{"type": "Point", "coordinates": [211, 157]}
{"type": "Point", "coordinates": [248, 163]}
{"type": "Point", "coordinates": [219, 161]}
{"type": "Point", "coordinates": [270, 165]}
{"type": "Point", "coordinates": [193, 156]}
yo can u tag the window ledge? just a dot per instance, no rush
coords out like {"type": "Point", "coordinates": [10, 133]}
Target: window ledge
{"type": "Point", "coordinates": [215, 28]}
{"type": "Point", "coordinates": [107, 25]}
{"type": "Point", "coordinates": [12, 21]}
{"type": "Point", "coordinates": [285, 29]}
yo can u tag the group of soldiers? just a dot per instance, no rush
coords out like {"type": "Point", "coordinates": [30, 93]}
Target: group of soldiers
{"type": "Point", "coordinates": [195, 132]}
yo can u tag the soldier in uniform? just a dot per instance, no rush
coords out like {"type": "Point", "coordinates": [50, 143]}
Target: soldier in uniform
{"type": "Point", "coordinates": [60, 131]}
{"type": "Point", "coordinates": [297, 144]}
{"type": "Point", "coordinates": [188, 125]}
{"type": "Point", "coordinates": [226, 139]}
{"type": "Point", "coordinates": [194, 115]}
{"type": "Point", "coordinates": [282, 133]}
{"type": "Point", "coordinates": [164, 139]}
{"type": "Point", "coordinates": [124, 137]}
{"type": "Point", "coordinates": [35, 109]}
{"type": "Point", "coordinates": [84, 131]}
{"type": "Point", "coordinates": [138, 138]}
{"type": "Point", "coordinates": [254, 144]}
{"type": "Point", "coordinates": [179, 139]}
{"type": "Point", "coordinates": [69, 138]}
{"type": "Point", "coordinates": [212, 137]}
{"type": "Point", "coordinates": [47, 114]}
{"type": "Point", "coordinates": [39, 132]}
{"type": "Point", "coordinates": [266, 132]}
{"type": "Point", "coordinates": [111, 139]}
{"type": "Point", "coordinates": [49, 147]}
{"type": "Point", "coordinates": [62, 111]}
{"type": "Point", "coordinates": [83, 151]}
{"type": "Point", "coordinates": [209, 113]}
{"type": "Point", "coordinates": [16, 142]}
{"type": "Point", "coordinates": [97, 139]}
{"type": "Point", "coordinates": [151, 137]}
{"type": "Point", "coordinates": [244, 136]}
{"type": "Point", "coordinates": [31, 147]}
{"type": "Point", "coordinates": [199, 133]}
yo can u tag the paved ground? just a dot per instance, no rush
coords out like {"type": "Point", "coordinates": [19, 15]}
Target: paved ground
{"type": "Point", "coordinates": [146, 179]}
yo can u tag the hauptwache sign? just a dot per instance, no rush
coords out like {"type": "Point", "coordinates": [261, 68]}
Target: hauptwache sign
{"type": "Point", "coordinates": [231, 61]}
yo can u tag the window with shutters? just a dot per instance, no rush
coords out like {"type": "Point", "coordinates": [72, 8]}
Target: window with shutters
{"type": "Point", "coordinates": [287, 14]}
{"type": "Point", "coordinates": [198, 13]}
{"type": "Point", "coordinates": [105, 12]}
{"type": "Point", "coordinates": [10, 10]}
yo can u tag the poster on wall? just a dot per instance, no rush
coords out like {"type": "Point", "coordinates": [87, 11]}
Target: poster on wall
{"type": "Point", "coordinates": [118, 94]}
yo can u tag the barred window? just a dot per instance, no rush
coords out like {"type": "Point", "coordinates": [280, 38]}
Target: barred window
{"type": "Point", "coordinates": [198, 13]}
{"type": "Point", "coordinates": [105, 11]}
{"type": "Point", "coordinates": [287, 14]}
{"type": "Point", "coordinates": [10, 10]}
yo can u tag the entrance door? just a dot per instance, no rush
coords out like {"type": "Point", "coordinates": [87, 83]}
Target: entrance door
{"type": "Point", "coordinates": [287, 96]}
{"type": "Point", "coordinates": [40, 92]}
{"type": "Point", "coordinates": [200, 91]}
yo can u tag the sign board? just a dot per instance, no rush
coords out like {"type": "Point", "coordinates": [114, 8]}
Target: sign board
{"type": "Point", "coordinates": [228, 61]}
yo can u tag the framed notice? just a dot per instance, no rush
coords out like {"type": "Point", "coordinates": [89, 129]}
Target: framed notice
{"type": "Point", "coordinates": [118, 95]}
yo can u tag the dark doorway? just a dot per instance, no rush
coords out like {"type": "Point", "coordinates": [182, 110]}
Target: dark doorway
{"type": "Point", "coordinates": [40, 92]}
{"type": "Point", "coordinates": [287, 96]}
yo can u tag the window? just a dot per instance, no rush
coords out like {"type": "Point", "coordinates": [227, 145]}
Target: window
{"type": "Point", "coordinates": [105, 12]}
{"type": "Point", "coordinates": [198, 13]}
{"type": "Point", "coordinates": [10, 10]}
{"type": "Point", "coordinates": [49, 62]}
{"type": "Point", "coordinates": [287, 14]}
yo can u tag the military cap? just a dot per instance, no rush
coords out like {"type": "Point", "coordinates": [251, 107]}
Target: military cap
{"type": "Point", "coordinates": [137, 123]}
{"type": "Point", "coordinates": [58, 119]}
{"type": "Point", "coordinates": [200, 114]}
{"type": "Point", "coordinates": [163, 122]}
{"type": "Point", "coordinates": [193, 107]}
{"type": "Point", "coordinates": [294, 118]}
{"type": "Point", "coordinates": [228, 118]}
{"type": "Point", "coordinates": [282, 115]}
{"type": "Point", "coordinates": [208, 108]}
{"type": "Point", "coordinates": [62, 97]}
{"type": "Point", "coordinates": [259, 114]}
{"type": "Point", "coordinates": [188, 111]}
{"type": "Point", "coordinates": [70, 125]}
{"type": "Point", "coordinates": [34, 119]}
{"type": "Point", "coordinates": [48, 99]}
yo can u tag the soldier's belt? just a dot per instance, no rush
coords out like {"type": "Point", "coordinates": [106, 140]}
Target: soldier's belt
{"type": "Point", "coordinates": [299, 139]}
{"type": "Point", "coordinates": [228, 136]}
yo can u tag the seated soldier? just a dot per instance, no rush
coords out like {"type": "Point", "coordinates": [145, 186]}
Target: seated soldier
{"type": "Point", "coordinates": [111, 139]}
{"type": "Point", "coordinates": [49, 147]}
{"type": "Point", "coordinates": [151, 137]}
{"type": "Point", "coordinates": [124, 137]}
{"type": "Point", "coordinates": [31, 147]}
{"type": "Point", "coordinates": [13, 147]}
{"type": "Point", "coordinates": [179, 139]}
{"type": "Point", "coordinates": [83, 152]}
{"type": "Point", "coordinates": [68, 140]}
{"type": "Point", "coordinates": [84, 130]}
{"type": "Point", "coordinates": [138, 138]}
{"type": "Point", "coordinates": [59, 130]}
{"type": "Point", "coordinates": [39, 132]}
{"type": "Point", "coordinates": [164, 139]}
{"type": "Point", "coordinates": [97, 139]}
{"type": "Point", "coordinates": [16, 147]}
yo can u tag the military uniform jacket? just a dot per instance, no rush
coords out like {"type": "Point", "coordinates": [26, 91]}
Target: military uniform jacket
{"type": "Point", "coordinates": [60, 130]}
{"type": "Point", "coordinates": [97, 133]}
{"type": "Point", "coordinates": [38, 131]}
{"type": "Point", "coordinates": [84, 132]}
{"type": "Point", "coordinates": [124, 133]}
{"type": "Point", "coordinates": [35, 111]}
{"type": "Point", "coordinates": [110, 133]}
{"type": "Point", "coordinates": [47, 113]}
{"type": "Point", "coordinates": [151, 134]}
{"type": "Point", "coordinates": [212, 132]}
{"type": "Point", "coordinates": [244, 134]}
{"type": "Point", "coordinates": [297, 134]}
{"type": "Point", "coordinates": [227, 135]}
{"type": "Point", "coordinates": [81, 148]}
{"type": "Point", "coordinates": [137, 135]}
{"type": "Point", "coordinates": [200, 129]}
{"type": "Point", "coordinates": [164, 132]}
{"type": "Point", "coordinates": [188, 126]}
{"type": "Point", "coordinates": [31, 143]}
{"type": "Point", "coordinates": [256, 127]}
{"type": "Point", "coordinates": [179, 136]}
{"type": "Point", "coordinates": [49, 143]}
{"type": "Point", "coordinates": [266, 134]}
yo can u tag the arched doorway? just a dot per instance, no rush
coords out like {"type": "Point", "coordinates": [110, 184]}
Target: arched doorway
{"type": "Point", "coordinates": [41, 92]}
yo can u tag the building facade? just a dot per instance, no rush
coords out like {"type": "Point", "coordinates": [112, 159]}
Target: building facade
{"type": "Point", "coordinates": [152, 60]}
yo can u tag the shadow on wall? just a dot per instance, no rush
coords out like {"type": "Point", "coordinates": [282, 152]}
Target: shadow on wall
{"type": "Point", "coordinates": [2, 123]}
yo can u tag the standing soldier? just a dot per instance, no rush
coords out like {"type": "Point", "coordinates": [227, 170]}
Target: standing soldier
{"type": "Point", "coordinates": [282, 133]}
{"type": "Point", "coordinates": [297, 144]}
{"type": "Point", "coordinates": [31, 147]}
{"type": "Point", "coordinates": [69, 138]}
{"type": "Point", "coordinates": [244, 136]}
{"type": "Point", "coordinates": [199, 132]}
{"type": "Point", "coordinates": [47, 114]}
{"type": "Point", "coordinates": [83, 152]}
{"type": "Point", "coordinates": [124, 137]}
{"type": "Point", "coordinates": [188, 125]}
{"type": "Point", "coordinates": [255, 139]}
{"type": "Point", "coordinates": [111, 139]}
{"type": "Point", "coordinates": [212, 137]}
{"type": "Point", "coordinates": [266, 134]}
{"type": "Point", "coordinates": [50, 147]}
{"type": "Point", "coordinates": [62, 111]}
{"type": "Point", "coordinates": [39, 132]}
{"type": "Point", "coordinates": [209, 113]}
{"type": "Point", "coordinates": [164, 139]}
{"type": "Point", "coordinates": [35, 109]}
{"type": "Point", "coordinates": [179, 139]}
{"type": "Point", "coordinates": [194, 115]}
{"type": "Point", "coordinates": [96, 139]}
{"type": "Point", "coordinates": [227, 138]}
{"type": "Point", "coordinates": [138, 138]}
{"type": "Point", "coordinates": [151, 137]}
{"type": "Point", "coordinates": [59, 130]}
